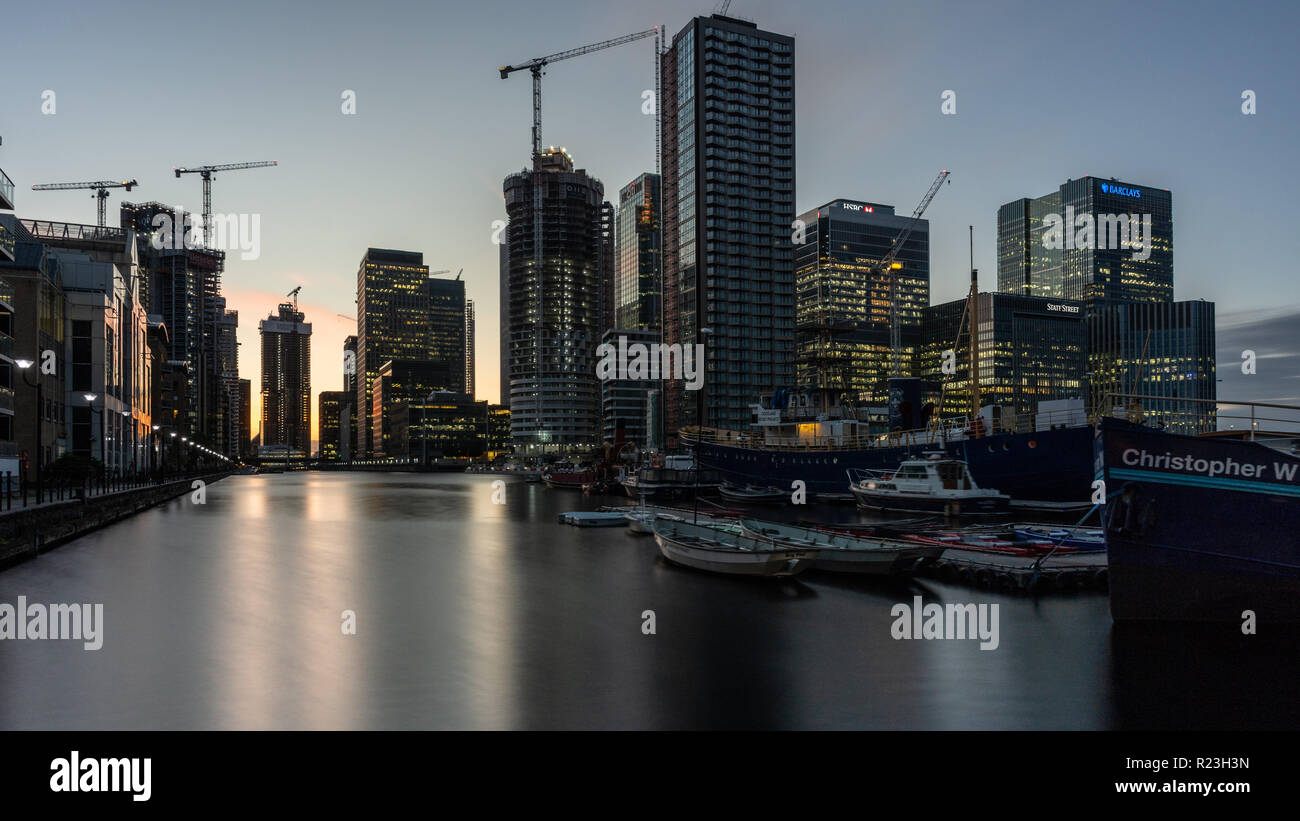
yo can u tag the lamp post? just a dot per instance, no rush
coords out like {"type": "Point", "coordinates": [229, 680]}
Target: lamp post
{"type": "Point", "coordinates": [24, 365]}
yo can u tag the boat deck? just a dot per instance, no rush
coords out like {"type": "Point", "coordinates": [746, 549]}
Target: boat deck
{"type": "Point", "coordinates": [1018, 574]}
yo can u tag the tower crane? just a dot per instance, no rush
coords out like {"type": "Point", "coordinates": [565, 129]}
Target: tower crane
{"type": "Point", "coordinates": [294, 294]}
{"type": "Point", "coordinates": [206, 172]}
{"type": "Point", "coordinates": [888, 263]}
{"type": "Point", "coordinates": [100, 188]}
{"type": "Point", "coordinates": [537, 67]}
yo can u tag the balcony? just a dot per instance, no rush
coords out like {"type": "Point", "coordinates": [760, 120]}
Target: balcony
{"type": "Point", "coordinates": [6, 192]}
{"type": "Point", "coordinates": [6, 400]}
{"type": "Point", "coordinates": [6, 345]}
{"type": "Point", "coordinates": [6, 244]}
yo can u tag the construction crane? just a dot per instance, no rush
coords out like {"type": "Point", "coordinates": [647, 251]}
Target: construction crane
{"type": "Point", "coordinates": [206, 172]}
{"type": "Point", "coordinates": [888, 263]}
{"type": "Point", "coordinates": [537, 65]}
{"type": "Point", "coordinates": [294, 294]}
{"type": "Point", "coordinates": [100, 188]}
{"type": "Point", "coordinates": [722, 7]}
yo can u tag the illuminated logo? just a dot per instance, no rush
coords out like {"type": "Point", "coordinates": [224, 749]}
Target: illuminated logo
{"type": "Point", "coordinates": [1069, 309]}
{"type": "Point", "coordinates": [858, 208]}
{"type": "Point", "coordinates": [1107, 188]}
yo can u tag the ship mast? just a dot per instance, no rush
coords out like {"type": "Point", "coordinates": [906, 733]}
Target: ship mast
{"type": "Point", "coordinates": [973, 309]}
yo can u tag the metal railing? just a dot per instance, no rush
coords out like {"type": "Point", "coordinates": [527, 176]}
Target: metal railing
{"type": "Point", "coordinates": [1136, 411]}
{"type": "Point", "coordinates": [6, 188]}
{"type": "Point", "coordinates": [48, 229]}
{"type": "Point", "coordinates": [937, 432]}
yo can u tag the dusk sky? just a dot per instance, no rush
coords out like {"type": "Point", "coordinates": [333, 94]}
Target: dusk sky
{"type": "Point", "coordinates": [1149, 93]}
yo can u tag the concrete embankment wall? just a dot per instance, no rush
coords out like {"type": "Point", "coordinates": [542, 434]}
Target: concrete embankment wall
{"type": "Point", "coordinates": [26, 532]}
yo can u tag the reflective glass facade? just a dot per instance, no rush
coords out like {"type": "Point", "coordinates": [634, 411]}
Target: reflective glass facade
{"type": "Point", "coordinates": [1031, 349]}
{"type": "Point", "coordinates": [638, 259]}
{"type": "Point", "coordinates": [728, 166]}
{"type": "Point", "coordinates": [843, 308]}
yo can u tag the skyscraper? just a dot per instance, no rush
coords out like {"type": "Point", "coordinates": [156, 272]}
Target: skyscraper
{"type": "Point", "coordinates": [557, 307]}
{"type": "Point", "coordinates": [843, 308]}
{"type": "Point", "coordinates": [286, 379]}
{"type": "Point", "coordinates": [469, 347]}
{"type": "Point", "coordinates": [331, 423]}
{"type": "Point", "coordinates": [1102, 251]}
{"type": "Point", "coordinates": [728, 204]}
{"type": "Point", "coordinates": [392, 323]}
{"type": "Point", "coordinates": [638, 259]}
{"type": "Point", "coordinates": [447, 327]}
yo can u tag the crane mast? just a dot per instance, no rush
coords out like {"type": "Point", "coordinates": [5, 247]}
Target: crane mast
{"type": "Point", "coordinates": [206, 172]}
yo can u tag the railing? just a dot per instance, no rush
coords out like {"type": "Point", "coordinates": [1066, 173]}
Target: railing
{"type": "Point", "coordinates": [1135, 411]}
{"type": "Point", "coordinates": [6, 190]}
{"type": "Point", "coordinates": [47, 229]}
{"type": "Point", "coordinates": [8, 244]}
{"type": "Point", "coordinates": [6, 344]}
{"type": "Point", "coordinates": [6, 398]}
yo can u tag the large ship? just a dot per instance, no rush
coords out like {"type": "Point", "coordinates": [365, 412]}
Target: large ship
{"type": "Point", "coordinates": [1200, 528]}
{"type": "Point", "coordinates": [1044, 456]}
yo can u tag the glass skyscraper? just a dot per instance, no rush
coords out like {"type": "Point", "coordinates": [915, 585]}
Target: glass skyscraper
{"type": "Point", "coordinates": [638, 260]}
{"type": "Point", "coordinates": [728, 203]}
{"type": "Point", "coordinates": [1031, 349]}
{"type": "Point", "coordinates": [842, 308]}
{"type": "Point", "coordinates": [1101, 252]}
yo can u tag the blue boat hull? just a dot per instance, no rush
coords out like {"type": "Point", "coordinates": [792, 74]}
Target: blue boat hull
{"type": "Point", "coordinates": [1052, 465]}
{"type": "Point", "coordinates": [1184, 545]}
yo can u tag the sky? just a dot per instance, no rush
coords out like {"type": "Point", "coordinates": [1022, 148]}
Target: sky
{"type": "Point", "coordinates": [1149, 93]}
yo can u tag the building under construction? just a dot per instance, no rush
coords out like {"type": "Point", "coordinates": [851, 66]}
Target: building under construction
{"type": "Point", "coordinates": [559, 308]}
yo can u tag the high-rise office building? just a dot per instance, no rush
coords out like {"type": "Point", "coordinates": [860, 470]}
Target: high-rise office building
{"type": "Point", "coordinates": [728, 203]}
{"type": "Point", "coordinates": [392, 323]}
{"type": "Point", "coordinates": [1089, 240]}
{"type": "Point", "coordinates": [245, 418]}
{"type": "Point", "coordinates": [843, 305]}
{"type": "Point", "coordinates": [1164, 351]}
{"type": "Point", "coordinates": [1032, 349]}
{"type": "Point", "coordinates": [1110, 244]}
{"type": "Point", "coordinates": [638, 259]}
{"type": "Point", "coordinates": [348, 410]}
{"type": "Point", "coordinates": [447, 328]}
{"type": "Point", "coordinates": [331, 423]}
{"type": "Point", "coordinates": [503, 318]}
{"type": "Point", "coordinates": [286, 379]}
{"type": "Point", "coordinates": [469, 348]}
{"type": "Point", "coordinates": [405, 381]}
{"type": "Point", "coordinates": [557, 303]}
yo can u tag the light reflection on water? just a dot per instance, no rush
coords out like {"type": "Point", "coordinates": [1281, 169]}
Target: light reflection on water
{"type": "Point", "coordinates": [476, 615]}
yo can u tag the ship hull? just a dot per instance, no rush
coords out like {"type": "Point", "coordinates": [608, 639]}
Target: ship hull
{"type": "Point", "coordinates": [1051, 465]}
{"type": "Point", "coordinates": [1186, 546]}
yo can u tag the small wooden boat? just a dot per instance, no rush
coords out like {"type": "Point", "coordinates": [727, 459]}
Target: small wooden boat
{"type": "Point", "coordinates": [721, 551]}
{"type": "Point", "coordinates": [1077, 538]}
{"type": "Point", "coordinates": [935, 484]}
{"type": "Point", "coordinates": [842, 553]}
{"type": "Point", "coordinates": [751, 495]}
{"type": "Point", "coordinates": [981, 542]}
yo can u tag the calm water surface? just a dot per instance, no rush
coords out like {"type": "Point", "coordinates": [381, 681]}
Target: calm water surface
{"type": "Point", "coordinates": [476, 615]}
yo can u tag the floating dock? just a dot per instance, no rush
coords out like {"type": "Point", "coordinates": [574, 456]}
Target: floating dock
{"type": "Point", "coordinates": [1057, 572]}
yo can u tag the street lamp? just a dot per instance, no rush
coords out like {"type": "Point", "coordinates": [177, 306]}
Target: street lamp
{"type": "Point", "coordinates": [24, 365]}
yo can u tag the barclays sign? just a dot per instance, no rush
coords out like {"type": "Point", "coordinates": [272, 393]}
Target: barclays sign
{"type": "Point", "coordinates": [1111, 188]}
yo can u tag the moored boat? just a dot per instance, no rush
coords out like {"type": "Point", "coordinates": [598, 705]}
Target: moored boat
{"type": "Point", "coordinates": [752, 495]}
{"type": "Point", "coordinates": [1200, 528]}
{"type": "Point", "coordinates": [721, 551]}
{"type": "Point", "coordinates": [931, 485]}
{"type": "Point", "coordinates": [842, 553]}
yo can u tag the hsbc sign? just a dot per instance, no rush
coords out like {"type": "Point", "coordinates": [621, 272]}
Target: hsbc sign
{"type": "Point", "coordinates": [857, 208]}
